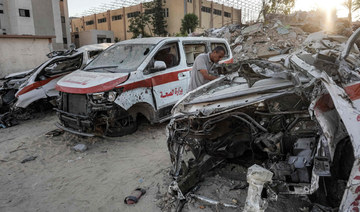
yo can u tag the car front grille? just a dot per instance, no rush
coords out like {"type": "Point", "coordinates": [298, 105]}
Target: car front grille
{"type": "Point", "coordinates": [75, 103]}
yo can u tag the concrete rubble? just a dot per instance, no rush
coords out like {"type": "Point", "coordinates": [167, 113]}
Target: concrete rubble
{"type": "Point", "coordinates": [280, 35]}
{"type": "Point", "coordinates": [290, 71]}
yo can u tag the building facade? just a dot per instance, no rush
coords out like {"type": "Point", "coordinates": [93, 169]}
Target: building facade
{"type": "Point", "coordinates": [210, 14]}
{"type": "Point", "coordinates": [36, 18]}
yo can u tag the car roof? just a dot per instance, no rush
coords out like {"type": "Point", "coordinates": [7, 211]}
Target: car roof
{"type": "Point", "coordinates": [156, 40]}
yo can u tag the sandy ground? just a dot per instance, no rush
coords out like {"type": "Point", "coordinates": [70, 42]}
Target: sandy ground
{"type": "Point", "coordinates": [63, 180]}
{"type": "Point", "coordinates": [99, 179]}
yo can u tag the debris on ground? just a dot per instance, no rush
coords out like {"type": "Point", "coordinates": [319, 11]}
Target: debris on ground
{"type": "Point", "coordinates": [80, 147]}
{"type": "Point", "coordinates": [28, 159]}
{"type": "Point", "coordinates": [54, 133]}
{"type": "Point", "coordinates": [134, 197]}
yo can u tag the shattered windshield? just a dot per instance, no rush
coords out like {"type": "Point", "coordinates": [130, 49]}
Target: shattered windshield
{"type": "Point", "coordinates": [121, 58]}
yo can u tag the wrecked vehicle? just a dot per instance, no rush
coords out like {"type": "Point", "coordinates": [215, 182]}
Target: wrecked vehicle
{"type": "Point", "coordinates": [296, 116]}
{"type": "Point", "coordinates": [21, 90]}
{"type": "Point", "coordinates": [134, 77]}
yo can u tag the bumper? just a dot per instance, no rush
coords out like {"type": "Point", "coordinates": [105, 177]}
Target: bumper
{"type": "Point", "coordinates": [74, 131]}
{"type": "Point", "coordinates": [76, 124]}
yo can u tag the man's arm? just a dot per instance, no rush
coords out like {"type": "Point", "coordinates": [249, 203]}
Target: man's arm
{"type": "Point", "coordinates": [206, 75]}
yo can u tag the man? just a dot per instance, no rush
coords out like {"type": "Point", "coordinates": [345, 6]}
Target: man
{"type": "Point", "coordinates": [203, 63]}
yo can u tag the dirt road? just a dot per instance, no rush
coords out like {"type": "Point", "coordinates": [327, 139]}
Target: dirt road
{"type": "Point", "coordinates": [99, 179]}
{"type": "Point", "coordinates": [60, 179]}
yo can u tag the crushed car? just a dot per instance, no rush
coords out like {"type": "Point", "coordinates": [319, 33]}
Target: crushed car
{"type": "Point", "coordinates": [145, 76]}
{"type": "Point", "coordinates": [297, 116]}
{"type": "Point", "coordinates": [21, 91]}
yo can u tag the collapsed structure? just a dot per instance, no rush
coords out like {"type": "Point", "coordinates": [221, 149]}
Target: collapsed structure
{"type": "Point", "coordinates": [296, 114]}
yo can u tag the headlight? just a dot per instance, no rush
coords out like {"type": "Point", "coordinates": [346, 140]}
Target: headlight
{"type": "Point", "coordinates": [111, 96]}
{"type": "Point", "coordinates": [97, 96]}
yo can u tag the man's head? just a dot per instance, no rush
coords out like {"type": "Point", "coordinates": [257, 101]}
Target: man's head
{"type": "Point", "coordinates": [217, 54]}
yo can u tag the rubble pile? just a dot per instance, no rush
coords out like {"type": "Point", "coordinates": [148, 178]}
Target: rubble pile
{"type": "Point", "coordinates": [295, 115]}
{"type": "Point", "coordinates": [280, 35]}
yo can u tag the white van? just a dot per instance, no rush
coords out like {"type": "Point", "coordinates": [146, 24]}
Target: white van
{"type": "Point", "coordinates": [144, 76]}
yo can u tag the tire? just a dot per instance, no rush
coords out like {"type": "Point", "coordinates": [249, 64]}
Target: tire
{"type": "Point", "coordinates": [123, 127]}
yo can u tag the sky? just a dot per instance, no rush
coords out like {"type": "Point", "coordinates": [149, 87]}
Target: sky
{"type": "Point", "coordinates": [76, 7]}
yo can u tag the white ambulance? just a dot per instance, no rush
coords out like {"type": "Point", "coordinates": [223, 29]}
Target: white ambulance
{"type": "Point", "coordinates": [144, 76]}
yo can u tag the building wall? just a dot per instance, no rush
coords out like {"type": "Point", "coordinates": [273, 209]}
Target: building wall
{"type": "Point", "coordinates": [4, 19]}
{"type": "Point", "coordinates": [21, 54]}
{"type": "Point", "coordinates": [64, 12]}
{"type": "Point", "coordinates": [176, 8]}
{"type": "Point", "coordinates": [45, 19]}
{"type": "Point", "coordinates": [42, 23]}
{"type": "Point", "coordinates": [176, 13]}
{"type": "Point", "coordinates": [20, 25]}
{"type": "Point", "coordinates": [117, 26]}
{"type": "Point", "coordinates": [91, 36]}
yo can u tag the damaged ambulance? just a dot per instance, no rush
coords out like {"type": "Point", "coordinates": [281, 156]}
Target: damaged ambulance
{"type": "Point", "coordinates": [20, 91]}
{"type": "Point", "coordinates": [144, 76]}
{"type": "Point", "coordinates": [297, 115]}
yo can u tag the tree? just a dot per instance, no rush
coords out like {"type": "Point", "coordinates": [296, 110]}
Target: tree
{"type": "Point", "coordinates": [351, 6]}
{"type": "Point", "coordinates": [138, 24]}
{"type": "Point", "coordinates": [189, 23]}
{"type": "Point", "coordinates": [276, 7]}
{"type": "Point", "coordinates": [158, 18]}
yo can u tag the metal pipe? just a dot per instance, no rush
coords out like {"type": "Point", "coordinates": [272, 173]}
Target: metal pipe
{"type": "Point", "coordinates": [213, 202]}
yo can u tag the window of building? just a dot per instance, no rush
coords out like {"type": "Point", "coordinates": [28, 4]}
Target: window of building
{"type": "Point", "coordinates": [217, 12]}
{"type": "Point", "coordinates": [116, 17]}
{"type": "Point", "coordinates": [77, 36]}
{"type": "Point", "coordinates": [206, 9]}
{"type": "Point", "coordinates": [166, 12]}
{"type": "Point", "coordinates": [77, 29]}
{"type": "Point", "coordinates": [90, 22]}
{"type": "Point", "coordinates": [190, 1]}
{"type": "Point", "coordinates": [1, 11]}
{"type": "Point", "coordinates": [102, 39]}
{"type": "Point", "coordinates": [62, 19]}
{"type": "Point", "coordinates": [133, 14]}
{"type": "Point", "coordinates": [65, 40]}
{"type": "Point", "coordinates": [24, 13]}
{"type": "Point", "coordinates": [226, 14]}
{"type": "Point", "coordinates": [101, 20]}
{"type": "Point", "coordinates": [149, 11]}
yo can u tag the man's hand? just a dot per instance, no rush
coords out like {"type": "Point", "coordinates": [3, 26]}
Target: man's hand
{"type": "Point", "coordinates": [206, 75]}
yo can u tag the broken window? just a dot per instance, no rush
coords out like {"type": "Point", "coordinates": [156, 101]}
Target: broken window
{"type": "Point", "coordinates": [60, 66]}
{"type": "Point", "coordinates": [24, 13]}
{"type": "Point", "coordinates": [93, 54]}
{"type": "Point", "coordinates": [122, 58]}
{"type": "Point", "coordinates": [169, 54]}
{"type": "Point", "coordinates": [192, 51]}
